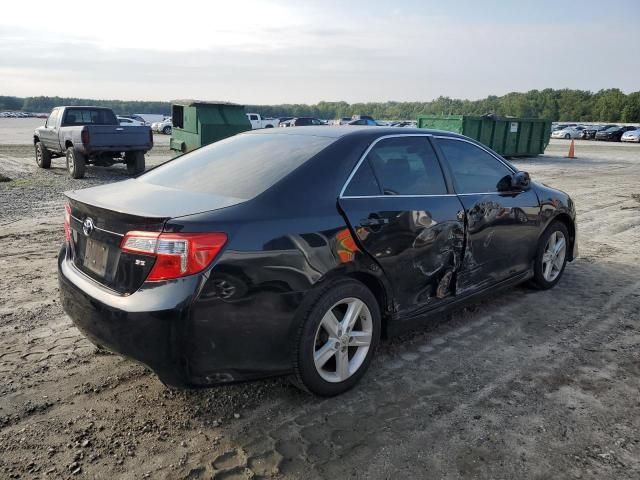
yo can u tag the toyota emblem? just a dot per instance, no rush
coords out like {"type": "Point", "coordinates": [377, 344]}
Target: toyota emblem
{"type": "Point", "coordinates": [88, 226]}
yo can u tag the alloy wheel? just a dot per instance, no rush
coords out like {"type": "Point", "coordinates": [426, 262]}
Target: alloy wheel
{"type": "Point", "coordinates": [342, 340]}
{"type": "Point", "coordinates": [553, 257]}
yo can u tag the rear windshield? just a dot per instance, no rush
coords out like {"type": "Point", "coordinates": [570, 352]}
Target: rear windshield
{"type": "Point", "coordinates": [88, 116]}
{"type": "Point", "coordinates": [242, 166]}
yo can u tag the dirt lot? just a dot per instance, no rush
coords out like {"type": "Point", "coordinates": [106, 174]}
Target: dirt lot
{"type": "Point", "coordinates": [525, 385]}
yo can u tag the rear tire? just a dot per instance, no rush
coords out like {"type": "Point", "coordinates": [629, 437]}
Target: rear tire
{"type": "Point", "coordinates": [135, 162]}
{"type": "Point", "coordinates": [337, 339]}
{"type": "Point", "coordinates": [551, 256]}
{"type": "Point", "coordinates": [76, 163]}
{"type": "Point", "coordinates": [166, 130]}
{"type": "Point", "coordinates": [43, 156]}
{"type": "Point", "coordinates": [567, 136]}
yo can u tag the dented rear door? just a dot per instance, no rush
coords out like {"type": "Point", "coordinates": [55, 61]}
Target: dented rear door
{"type": "Point", "coordinates": [403, 215]}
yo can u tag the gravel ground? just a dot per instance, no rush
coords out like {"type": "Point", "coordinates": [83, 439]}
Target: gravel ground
{"type": "Point", "coordinates": [524, 385]}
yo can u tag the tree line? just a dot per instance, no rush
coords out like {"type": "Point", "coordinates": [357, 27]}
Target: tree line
{"type": "Point", "coordinates": [610, 105]}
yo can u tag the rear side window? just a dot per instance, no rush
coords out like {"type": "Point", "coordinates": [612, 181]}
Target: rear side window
{"type": "Point", "coordinates": [363, 183]}
{"type": "Point", "coordinates": [406, 166]}
{"type": "Point", "coordinates": [242, 166]}
{"type": "Point", "coordinates": [474, 170]}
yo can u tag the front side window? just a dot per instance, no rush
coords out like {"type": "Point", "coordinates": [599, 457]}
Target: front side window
{"type": "Point", "coordinates": [407, 166]}
{"type": "Point", "coordinates": [474, 170]}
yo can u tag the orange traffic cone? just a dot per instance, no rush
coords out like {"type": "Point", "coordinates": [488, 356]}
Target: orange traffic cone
{"type": "Point", "coordinates": [572, 150]}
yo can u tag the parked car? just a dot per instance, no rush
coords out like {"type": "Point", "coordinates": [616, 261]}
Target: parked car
{"type": "Point", "coordinates": [289, 251]}
{"type": "Point", "coordinates": [343, 121]}
{"type": "Point", "coordinates": [403, 124]}
{"type": "Point", "coordinates": [362, 117]}
{"type": "Point", "coordinates": [137, 118]}
{"type": "Point", "coordinates": [304, 122]}
{"type": "Point", "coordinates": [562, 126]}
{"type": "Point", "coordinates": [258, 122]}
{"type": "Point", "coordinates": [590, 131]}
{"type": "Point", "coordinates": [568, 133]}
{"type": "Point", "coordinates": [165, 126]}
{"type": "Point", "coordinates": [363, 121]}
{"type": "Point", "coordinates": [90, 135]}
{"type": "Point", "coordinates": [613, 134]}
{"type": "Point", "coordinates": [129, 122]}
{"type": "Point", "coordinates": [631, 135]}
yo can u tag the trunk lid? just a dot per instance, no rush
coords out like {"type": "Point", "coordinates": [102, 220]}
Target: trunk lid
{"type": "Point", "coordinates": [101, 216]}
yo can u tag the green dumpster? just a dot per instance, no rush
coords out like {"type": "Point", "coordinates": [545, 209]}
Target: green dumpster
{"type": "Point", "coordinates": [198, 123]}
{"type": "Point", "coordinates": [511, 137]}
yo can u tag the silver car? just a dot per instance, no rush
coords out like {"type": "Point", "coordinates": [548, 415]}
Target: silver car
{"type": "Point", "coordinates": [568, 133]}
{"type": "Point", "coordinates": [631, 136]}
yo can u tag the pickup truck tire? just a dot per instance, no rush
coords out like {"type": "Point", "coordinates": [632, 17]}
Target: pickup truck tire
{"type": "Point", "coordinates": [76, 163]}
{"type": "Point", "coordinates": [43, 156]}
{"type": "Point", "coordinates": [135, 162]}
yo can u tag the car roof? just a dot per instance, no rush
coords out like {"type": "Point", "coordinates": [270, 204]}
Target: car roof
{"type": "Point", "coordinates": [348, 131]}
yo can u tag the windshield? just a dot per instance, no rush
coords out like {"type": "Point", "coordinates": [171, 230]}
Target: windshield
{"type": "Point", "coordinates": [611, 129]}
{"type": "Point", "coordinates": [242, 166]}
{"type": "Point", "coordinates": [88, 116]}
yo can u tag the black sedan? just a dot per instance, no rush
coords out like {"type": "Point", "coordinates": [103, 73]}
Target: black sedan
{"type": "Point", "coordinates": [613, 134]}
{"type": "Point", "coordinates": [590, 131]}
{"type": "Point", "coordinates": [292, 251]}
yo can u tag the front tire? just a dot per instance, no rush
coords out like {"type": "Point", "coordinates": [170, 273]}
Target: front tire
{"type": "Point", "coordinates": [567, 136]}
{"type": "Point", "coordinates": [43, 156]}
{"type": "Point", "coordinates": [166, 130]}
{"type": "Point", "coordinates": [76, 163]}
{"type": "Point", "coordinates": [551, 256]}
{"type": "Point", "coordinates": [135, 162]}
{"type": "Point", "coordinates": [337, 339]}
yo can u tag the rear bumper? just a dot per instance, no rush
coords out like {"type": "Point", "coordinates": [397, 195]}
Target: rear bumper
{"type": "Point", "coordinates": [136, 326]}
{"type": "Point", "coordinates": [112, 149]}
{"type": "Point", "coordinates": [186, 337]}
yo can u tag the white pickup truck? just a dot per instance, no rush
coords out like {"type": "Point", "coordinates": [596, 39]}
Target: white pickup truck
{"type": "Point", "coordinates": [258, 122]}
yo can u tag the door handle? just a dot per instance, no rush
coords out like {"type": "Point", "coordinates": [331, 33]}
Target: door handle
{"type": "Point", "coordinates": [373, 222]}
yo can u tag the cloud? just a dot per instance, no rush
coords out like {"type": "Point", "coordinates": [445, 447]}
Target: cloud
{"type": "Point", "coordinates": [275, 53]}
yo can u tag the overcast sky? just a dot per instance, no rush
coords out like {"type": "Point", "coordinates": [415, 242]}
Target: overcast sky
{"type": "Point", "coordinates": [305, 51]}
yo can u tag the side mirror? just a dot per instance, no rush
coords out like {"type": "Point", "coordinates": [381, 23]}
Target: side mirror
{"type": "Point", "coordinates": [520, 181]}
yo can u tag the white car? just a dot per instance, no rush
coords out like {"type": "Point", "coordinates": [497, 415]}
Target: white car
{"type": "Point", "coordinates": [631, 136]}
{"type": "Point", "coordinates": [568, 133]}
{"type": "Point", "coordinates": [164, 126]}
{"type": "Point", "coordinates": [130, 122]}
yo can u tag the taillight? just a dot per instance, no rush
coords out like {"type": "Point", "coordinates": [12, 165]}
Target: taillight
{"type": "Point", "coordinates": [84, 136]}
{"type": "Point", "coordinates": [67, 222]}
{"type": "Point", "coordinates": [177, 254]}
